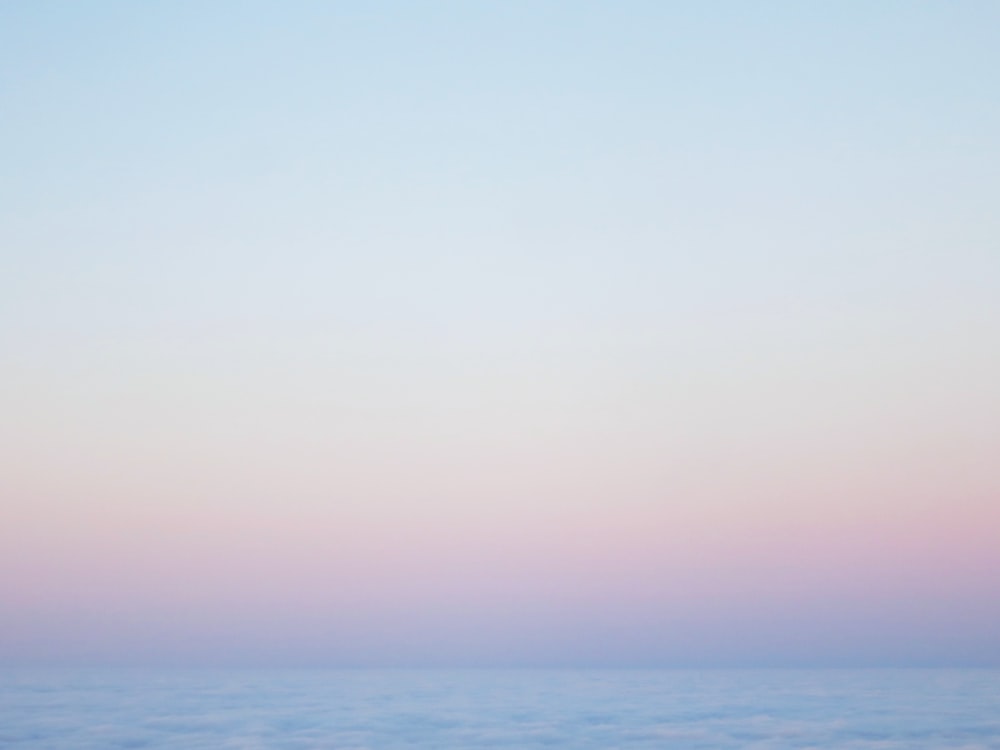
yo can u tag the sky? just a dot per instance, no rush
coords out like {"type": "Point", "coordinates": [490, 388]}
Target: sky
{"type": "Point", "coordinates": [537, 333]}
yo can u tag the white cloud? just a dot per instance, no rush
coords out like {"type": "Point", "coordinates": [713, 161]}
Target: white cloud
{"type": "Point", "coordinates": [582, 710]}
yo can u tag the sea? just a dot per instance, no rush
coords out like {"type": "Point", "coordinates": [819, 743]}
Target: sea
{"type": "Point", "coordinates": [465, 709]}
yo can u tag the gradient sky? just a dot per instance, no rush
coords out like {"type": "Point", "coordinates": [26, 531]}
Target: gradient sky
{"type": "Point", "coordinates": [586, 333]}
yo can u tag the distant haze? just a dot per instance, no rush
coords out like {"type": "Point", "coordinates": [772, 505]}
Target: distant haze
{"type": "Point", "coordinates": [500, 333]}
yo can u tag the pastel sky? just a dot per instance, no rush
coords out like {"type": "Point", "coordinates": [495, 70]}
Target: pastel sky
{"type": "Point", "coordinates": [444, 333]}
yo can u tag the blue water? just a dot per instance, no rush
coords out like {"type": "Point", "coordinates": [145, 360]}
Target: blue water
{"type": "Point", "coordinates": [445, 710]}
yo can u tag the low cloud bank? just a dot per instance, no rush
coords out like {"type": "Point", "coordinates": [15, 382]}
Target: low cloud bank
{"type": "Point", "coordinates": [583, 710]}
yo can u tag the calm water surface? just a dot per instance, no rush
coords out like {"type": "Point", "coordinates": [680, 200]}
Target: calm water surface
{"type": "Point", "coordinates": [445, 710]}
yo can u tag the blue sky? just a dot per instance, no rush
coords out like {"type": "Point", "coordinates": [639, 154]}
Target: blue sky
{"type": "Point", "coordinates": [615, 292]}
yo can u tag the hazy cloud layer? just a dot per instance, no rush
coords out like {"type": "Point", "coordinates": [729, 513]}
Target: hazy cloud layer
{"type": "Point", "coordinates": [244, 710]}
